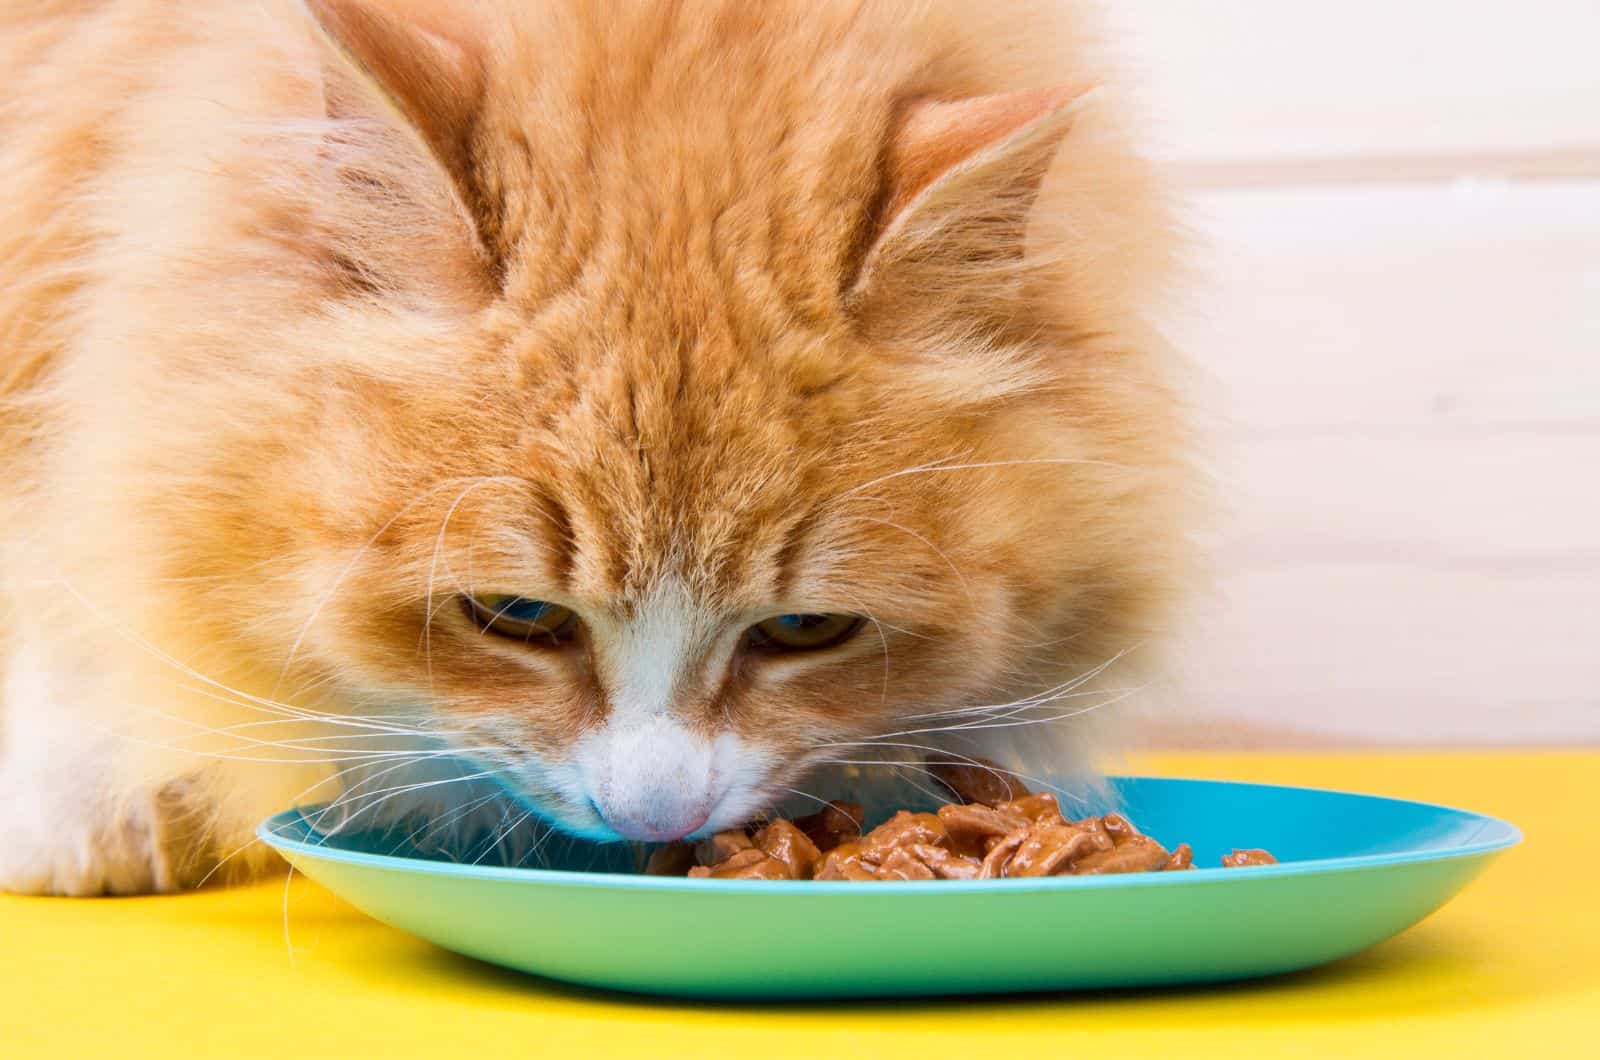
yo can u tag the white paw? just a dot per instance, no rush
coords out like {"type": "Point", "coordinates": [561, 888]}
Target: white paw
{"type": "Point", "coordinates": [70, 844]}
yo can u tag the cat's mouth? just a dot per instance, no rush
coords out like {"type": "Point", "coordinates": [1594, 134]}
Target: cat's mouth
{"type": "Point", "coordinates": [645, 798]}
{"type": "Point", "coordinates": [560, 797]}
{"type": "Point", "coordinates": [586, 820]}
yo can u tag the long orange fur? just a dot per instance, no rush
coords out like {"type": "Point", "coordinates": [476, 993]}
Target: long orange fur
{"type": "Point", "coordinates": [285, 366]}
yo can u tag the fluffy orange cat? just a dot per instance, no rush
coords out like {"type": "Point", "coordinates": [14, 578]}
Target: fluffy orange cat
{"type": "Point", "coordinates": [646, 404]}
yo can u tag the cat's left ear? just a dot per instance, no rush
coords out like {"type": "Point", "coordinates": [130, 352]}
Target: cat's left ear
{"type": "Point", "coordinates": [960, 180]}
{"type": "Point", "coordinates": [424, 59]}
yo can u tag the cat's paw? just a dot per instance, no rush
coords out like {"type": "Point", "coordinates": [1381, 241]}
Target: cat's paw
{"type": "Point", "coordinates": [76, 845]}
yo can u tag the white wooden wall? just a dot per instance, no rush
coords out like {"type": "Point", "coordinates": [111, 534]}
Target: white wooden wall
{"type": "Point", "coordinates": [1399, 307]}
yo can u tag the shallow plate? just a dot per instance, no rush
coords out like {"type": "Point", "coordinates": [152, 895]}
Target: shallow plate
{"type": "Point", "coordinates": [1355, 869]}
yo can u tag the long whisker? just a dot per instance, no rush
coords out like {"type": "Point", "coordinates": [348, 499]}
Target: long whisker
{"type": "Point", "coordinates": [1067, 687]}
{"type": "Point", "coordinates": [824, 803]}
{"type": "Point", "coordinates": [943, 465]}
{"type": "Point", "coordinates": [433, 564]}
{"type": "Point", "coordinates": [218, 690]}
{"type": "Point", "coordinates": [350, 566]}
{"type": "Point", "coordinates": [1019, 722]}
{"type": "Point", "coordinates": [501, 836]}
{"type": "Point", "coordinates": [1009, 718]}
{"type": "Point", "coordinates": [434, 825]}
{"type": "Point", "coordinates": [254, 840]}
{"type": "Point", "coordinates": [966, 588]}
{"type": "Point", "coordinates": [404, 789]}
{"type": "Point", "coordinates": [883, 641]}
{"type": "Point", "coordinates": [935, 752]}
{"type": "Point", "coordinates": [1005, 709]}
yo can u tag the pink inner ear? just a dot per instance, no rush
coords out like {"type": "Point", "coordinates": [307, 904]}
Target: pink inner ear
{"type": "Point", "coordinates": [935, 136]}
{"type": "Point", "coordinates": [429, 67]}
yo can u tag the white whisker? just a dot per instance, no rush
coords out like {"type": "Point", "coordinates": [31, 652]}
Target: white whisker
{"type": "Point", "coordinates": [943, 465]}
{"type": "Point", "coordinates": [350, 565]}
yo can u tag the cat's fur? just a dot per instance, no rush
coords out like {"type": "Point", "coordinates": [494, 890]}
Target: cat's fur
{"type": "Point", "coordinates": [679, 313]}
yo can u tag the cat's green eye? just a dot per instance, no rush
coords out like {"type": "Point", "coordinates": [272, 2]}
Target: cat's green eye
{"type": "Point", "coordinates": [804, 632]}
{"type": "Point", "coordinates": [521, 618]}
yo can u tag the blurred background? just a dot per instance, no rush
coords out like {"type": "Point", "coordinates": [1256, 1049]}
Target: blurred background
{"type": "Point", "coordinates": [1398, 212]}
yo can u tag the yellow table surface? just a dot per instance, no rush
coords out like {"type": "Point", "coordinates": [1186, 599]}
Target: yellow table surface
{"type": "Point", "coordinates": [1510, 968]}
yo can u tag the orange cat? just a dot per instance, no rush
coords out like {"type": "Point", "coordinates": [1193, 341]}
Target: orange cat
{"type": "Point", "coordinates": [645, 403]}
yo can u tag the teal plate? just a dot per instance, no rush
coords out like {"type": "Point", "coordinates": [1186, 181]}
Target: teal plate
{"type": "Point", "coordinates": [1354, 870]}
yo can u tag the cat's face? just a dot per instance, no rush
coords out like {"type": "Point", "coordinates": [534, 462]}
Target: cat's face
{"type": "Point", "coordinates": [767, 472]}
{"type": "Point", "coordinates": [606, 600]}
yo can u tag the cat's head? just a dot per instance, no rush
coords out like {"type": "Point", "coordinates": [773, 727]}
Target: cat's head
{"type": "Point", "coordinates": [783, 394]}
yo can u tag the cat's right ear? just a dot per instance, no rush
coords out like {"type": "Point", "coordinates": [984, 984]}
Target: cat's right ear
{"type": "Point", "coordinates": [426, 62]}
{"type": "Point", "coordinates": [960, 179]}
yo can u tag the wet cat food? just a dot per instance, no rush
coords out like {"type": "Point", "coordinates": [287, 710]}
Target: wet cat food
{"type": "Point", "coordinates": [997, 830]}
{"type": "Point", "coordinates": [1241, 858]}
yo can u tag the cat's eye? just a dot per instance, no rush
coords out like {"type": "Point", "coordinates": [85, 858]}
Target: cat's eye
{"type": "Point", "coordinates": [522, 618]}
{"type": "Point", "coordinates": [803, 632]}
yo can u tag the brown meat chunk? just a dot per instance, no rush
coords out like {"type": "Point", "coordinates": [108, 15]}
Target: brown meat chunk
{"type": "Point", "coordinates": [1041, 808]}
{"type": "Point", "coordinates": [835, 823]}
{"type": "Point", "coordinates": [1134, 854]}
{"type": "Point", "coordinates": [784, 842]}
{"type": "Point", "coordinates": [844, 862]}
{"type": "Point", "coordinates": [1055, 850]}
{"type": "Point", "coordinates": [1242, 859]}
{"type": "Point", "coordinates": [747, 864]}
{"type": "Point", "coordinates": [978, 781]}
{"type": "Point", "coordinates": [971, 827]}
{"type": "Point", "coordinates": [994, 862]}
{"type": "Point", "coordinates": [903, 829]}
{"type": "Point", "coordinates": [947, 864]}
{"type": "Point", "coordinates": [722, 846]}
{"type": "Point", "coordinates": [674, 859]}
{"type": "Point", "coordinates": [1090, 847]}
{"type": "Point", "coordinates": [1020, 836]}
{"type": "Point", "coordinates": [902, 863]}
{"type": "Point", "coordinates": [1182, 858]}
{"type": "Point", "coordinates": [1118, 827]}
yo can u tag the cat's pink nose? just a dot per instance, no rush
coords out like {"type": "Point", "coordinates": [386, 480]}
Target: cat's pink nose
{"type": "Point", "coordinates": [652, 827]}
{"type": "Point", "coordinates": [652, 780]}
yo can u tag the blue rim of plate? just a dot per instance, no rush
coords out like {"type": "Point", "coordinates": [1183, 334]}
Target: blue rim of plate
{"type": "Point", "coordinates": [1505, 835]}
